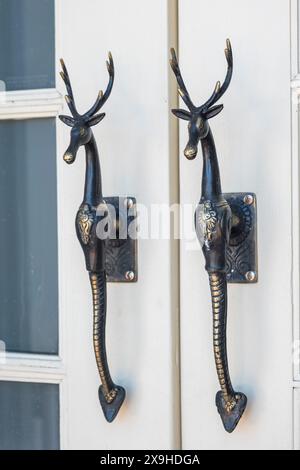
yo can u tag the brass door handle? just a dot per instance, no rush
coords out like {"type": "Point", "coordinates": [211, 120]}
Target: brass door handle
{"type": "Point", "coordinates": [101, 255]}
{"type": "Point", "coordinates": [214, 218]}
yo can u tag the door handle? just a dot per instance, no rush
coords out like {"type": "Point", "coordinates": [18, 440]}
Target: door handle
{"type": "Point", "coordinates": [226, 229]}
{"type": "Point", "coordinates": [111, 259]}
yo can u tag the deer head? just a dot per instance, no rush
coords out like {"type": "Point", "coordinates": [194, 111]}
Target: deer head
{"type": "Point", "coordinates": [81, 124]}
{"type": "Point", "coordinates": [198, 116]}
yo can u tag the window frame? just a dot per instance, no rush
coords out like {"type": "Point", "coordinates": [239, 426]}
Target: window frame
{"type": "Point", "coordinates": [28, 367]}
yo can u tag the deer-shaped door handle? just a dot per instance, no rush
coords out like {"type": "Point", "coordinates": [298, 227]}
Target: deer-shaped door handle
{"type": "Point", "coordinates": [220, 223]}
{"type": "Point", "coordinates": [111, 396]}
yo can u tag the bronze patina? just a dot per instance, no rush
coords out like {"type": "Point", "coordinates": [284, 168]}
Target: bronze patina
{"type": "Point", "coordinates": [111, 396]}
{"type": "Point", "coordinates": [213, 222]}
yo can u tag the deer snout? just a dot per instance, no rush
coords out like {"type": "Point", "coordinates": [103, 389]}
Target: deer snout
{"type": "Point", "coordinates": [190, 151]}
{"type": "Point", "coordinates": [70, 153]}
{"type": "Point", "coordinates": [68, 157]}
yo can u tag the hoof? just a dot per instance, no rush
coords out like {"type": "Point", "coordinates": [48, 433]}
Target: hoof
{"type": "Point", "coordinates": [231, 418]}
{"type": "Point", "coordinates": [110, 410]}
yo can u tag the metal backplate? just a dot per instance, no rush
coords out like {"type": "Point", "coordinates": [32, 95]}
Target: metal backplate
{"type": "Point", "coordinates": [121, 245]}
{"type": "Point", "coordinates": [241, 255]}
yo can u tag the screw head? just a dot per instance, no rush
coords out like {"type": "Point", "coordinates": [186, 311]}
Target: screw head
{"type": "Point", "coordinates": [248, 199]}
{"type": "Point", "coordinates": [128, 203]}
{"type": "Point", "coordinates": [129, 275]}
{"type": "Point", "coordinates": [250, 276]}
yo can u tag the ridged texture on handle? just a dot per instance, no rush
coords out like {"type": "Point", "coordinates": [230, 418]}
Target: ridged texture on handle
{"type": "Point", "coordinates": [230, 404]}
{"type": "Point", "coordinates": [98, 283]}
{"type": "Point", "coordinates": [218, 287]}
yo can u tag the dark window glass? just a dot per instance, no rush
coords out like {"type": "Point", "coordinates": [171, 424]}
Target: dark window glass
{"type": "Point", "coordinates": [27, 44]}
{"type": "Point", "coordinates": [28, 236]}
{"type": "Point", "coordinates": [29, 416]}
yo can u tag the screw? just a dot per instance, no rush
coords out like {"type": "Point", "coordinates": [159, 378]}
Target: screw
{"type": "Point", "coordinates": [129, 203]}
{"type": "Point", "coordinates": [250, 276]}
{"type": "Point", "coordinates": [248, 199]}
{"type": "Point", "coordinates": [129, 275]}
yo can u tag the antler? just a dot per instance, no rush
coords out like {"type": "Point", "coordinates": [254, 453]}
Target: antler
{"type": "Point", "coordinates": [69, 97]}
{"type": "Point", "coordinates": [220, 90]}
{"type": "Point", "coordinates": [182, 88]}
{"type": "Point", "coordinates": [103, 97]}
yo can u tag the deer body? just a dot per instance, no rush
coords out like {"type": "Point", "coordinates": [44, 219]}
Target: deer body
{"type": "Point", "coordinates": [213, 226]}
{"type": "Point", "coordinates": [213, 213]}
{"type": "Point", "coordinates": [211, 182]}
{"type": "Point", "coordinates": [111, 396]}
{"type": "Point", "coordinates": [86, 218]}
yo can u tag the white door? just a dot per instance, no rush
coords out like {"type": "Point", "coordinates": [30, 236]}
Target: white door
{"type": "Point", "coordinates": [134, 142]}
{"type": "Point", "coordinates": [48, 375]}
{"type": "Point", "coordinates": [256, 153]}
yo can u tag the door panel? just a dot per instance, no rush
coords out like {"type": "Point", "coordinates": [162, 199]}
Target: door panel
{"type": "Point", "coordinates": [134, 149]}
{"type": "Point", "coordinates": [253, 142]}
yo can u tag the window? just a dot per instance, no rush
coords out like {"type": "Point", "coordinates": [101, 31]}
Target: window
{"type": "Point", "coordinates": [31, 371]}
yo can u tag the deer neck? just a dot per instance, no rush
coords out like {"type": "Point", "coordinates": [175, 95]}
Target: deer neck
{"type": "Point", "coordinates": [211, 183]}
{"type": "Point", "coordinates": [93, 184]}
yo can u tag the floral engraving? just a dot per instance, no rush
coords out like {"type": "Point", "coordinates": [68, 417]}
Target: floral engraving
{"type": "Point", "coordinates": [206, 221]}
{"type": "Point", "coordinates": [84, 221]}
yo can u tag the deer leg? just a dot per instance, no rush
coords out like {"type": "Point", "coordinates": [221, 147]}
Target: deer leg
{"type": "Point", "coordinates": [212, 220]}
{"type": "Point", "coordinates": [111, 396]}
{"type": "Point", "coordinates": [230, 404]}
